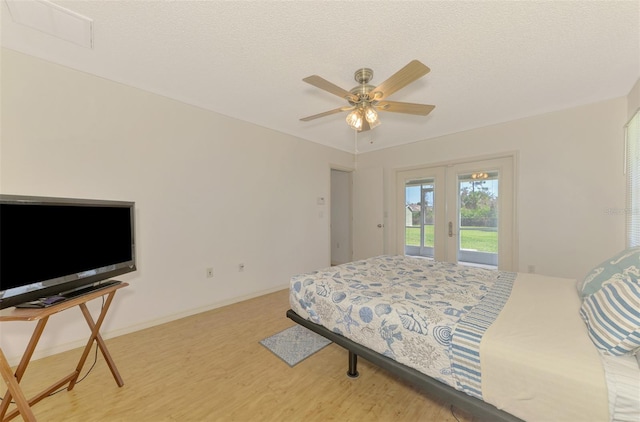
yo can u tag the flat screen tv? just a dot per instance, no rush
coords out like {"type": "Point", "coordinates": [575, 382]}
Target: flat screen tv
{"type": "Point", "coordinates": [53, 246]}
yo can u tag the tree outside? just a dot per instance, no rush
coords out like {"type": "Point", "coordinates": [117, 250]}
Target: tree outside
{"type": "Point", "coordinates": [478, 205]}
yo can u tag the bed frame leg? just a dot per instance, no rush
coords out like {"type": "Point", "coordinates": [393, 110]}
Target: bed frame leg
{"type": "Point", "coordinates": [353, 365]}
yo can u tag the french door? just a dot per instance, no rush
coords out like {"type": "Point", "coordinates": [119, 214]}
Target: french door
{"type": "Point", "coordinates": [459, 213]}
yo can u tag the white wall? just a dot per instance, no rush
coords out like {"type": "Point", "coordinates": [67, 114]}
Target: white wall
{"type": "Point", "coordinates": [210, 191]}
{"type": "Point", "coordinates": [633, 100]}
{"type": "Point", "coordinates": [569, 177]}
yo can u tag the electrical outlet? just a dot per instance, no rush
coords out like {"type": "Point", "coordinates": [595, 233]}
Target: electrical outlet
{"type": "Point", "coordinates": [241, 267]}
{"type": "Point", "coordinates": [209, 272]}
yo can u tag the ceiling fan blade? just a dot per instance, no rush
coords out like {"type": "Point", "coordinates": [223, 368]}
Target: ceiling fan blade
{"type": "Point", "coordinates": [326, 113]}
{"type": "Point", "coordinates": [325, 85]}
{"type": "Point", "coordinates": [403, 77]}
{"type": "Point", "coordinates": [408, 108]}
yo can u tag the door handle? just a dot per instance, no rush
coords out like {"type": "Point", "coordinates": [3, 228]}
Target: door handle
{"type": "Point", "coordinates": [450, 229]}
{"type": "Point", "coordinates": [379, 226]}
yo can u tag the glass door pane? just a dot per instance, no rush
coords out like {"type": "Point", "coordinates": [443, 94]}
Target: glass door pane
{"type": "Point", "coordinates": [419, 218]}
{"type": "Point", "coordinates": [478, 218]}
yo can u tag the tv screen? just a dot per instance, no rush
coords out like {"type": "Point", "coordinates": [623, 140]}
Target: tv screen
{"type": "Point", "coordinates": [51, 246]}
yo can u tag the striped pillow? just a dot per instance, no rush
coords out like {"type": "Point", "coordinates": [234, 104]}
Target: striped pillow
{"type": "Point", "coordinates": [612, 315]}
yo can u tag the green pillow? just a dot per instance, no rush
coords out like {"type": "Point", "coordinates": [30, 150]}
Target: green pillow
{"type": "Point", "coordinates": [616, 267]}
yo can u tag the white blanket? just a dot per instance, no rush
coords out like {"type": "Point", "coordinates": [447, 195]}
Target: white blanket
{"type": "Point", "coordinates": [537, 360]}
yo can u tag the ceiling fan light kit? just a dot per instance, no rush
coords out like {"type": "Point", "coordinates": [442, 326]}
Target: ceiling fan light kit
{"type": "Point", "coordinates": [354, 119]}
{"type": "Point", "coordinates": [365, 99]}
{"type": "Point", "coordinates": [372, 117]}
{"type": "Point", "coordinates": [357, 117]}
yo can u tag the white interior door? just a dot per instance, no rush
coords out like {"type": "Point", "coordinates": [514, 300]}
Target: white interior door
{"type": "Point", "coordinates": [368, 221]}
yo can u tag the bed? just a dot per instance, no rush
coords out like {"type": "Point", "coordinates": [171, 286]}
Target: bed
{"type": "Point", "coordinates": [504, 346]}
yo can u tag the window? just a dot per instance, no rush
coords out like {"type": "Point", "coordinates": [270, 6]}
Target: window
{"type": "Point", "coordinates": [632, 167]}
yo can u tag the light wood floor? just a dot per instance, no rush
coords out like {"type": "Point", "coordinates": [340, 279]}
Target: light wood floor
{"type": "Point", "coordinates": [211, 367]}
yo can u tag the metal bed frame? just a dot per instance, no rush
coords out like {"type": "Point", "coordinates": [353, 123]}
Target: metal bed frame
{"type": "Point", "coordinates": [476, 407]}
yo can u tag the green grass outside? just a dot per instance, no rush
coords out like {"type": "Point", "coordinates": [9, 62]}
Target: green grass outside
{"type": "Point", "coordinates": [412, 236]}
{"type": "Point", "coordinates": [484, 239]}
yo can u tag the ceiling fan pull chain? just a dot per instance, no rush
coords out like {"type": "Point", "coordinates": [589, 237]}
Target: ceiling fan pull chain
{"type": "Point", "coordinates": [355, 142]}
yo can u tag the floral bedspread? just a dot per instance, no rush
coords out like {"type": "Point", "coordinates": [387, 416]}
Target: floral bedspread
{"type": "Point", "coordinates": [402, 307]}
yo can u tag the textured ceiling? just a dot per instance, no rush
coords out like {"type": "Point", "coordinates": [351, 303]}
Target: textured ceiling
{"type": "Point", "coordinates": [490, 61]}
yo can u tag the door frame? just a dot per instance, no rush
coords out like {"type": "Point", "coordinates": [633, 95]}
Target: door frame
{"type": "Point", "coordinates": [508, 260]}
